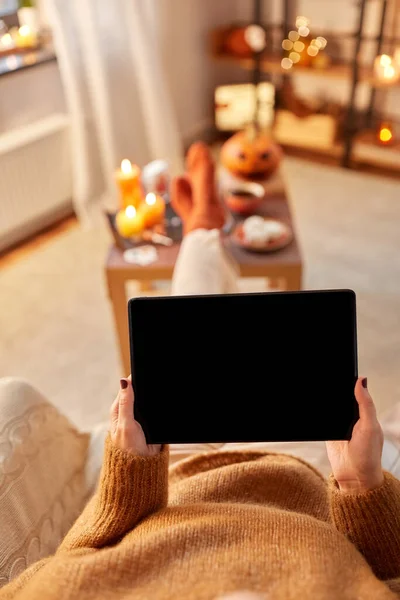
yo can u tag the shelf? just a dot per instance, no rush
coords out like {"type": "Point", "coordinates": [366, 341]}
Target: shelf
{"type": "Point", "coordinates": [18, 61]}
{"type": "Point", "coordinates": [218, 35]}
{"type": "Point", "coordinates": [366, 149]}
{"type": "Point", "coordinates": [315, 136]}
{"type": "Point", "coordinates": [272, 64]}
{"type": "Point", "coordinates": [315, 133]}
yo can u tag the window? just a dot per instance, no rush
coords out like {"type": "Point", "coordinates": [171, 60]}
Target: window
{"type": "Point", "coordinates": [8, 6]}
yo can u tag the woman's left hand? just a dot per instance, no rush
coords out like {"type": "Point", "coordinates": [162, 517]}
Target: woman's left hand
{"type": "Point", "coordinates": [357, 464]}
{"type": "Point", "coordinates": [126, 433]}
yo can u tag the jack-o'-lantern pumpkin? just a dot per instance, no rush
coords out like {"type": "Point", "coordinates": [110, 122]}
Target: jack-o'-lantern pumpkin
{"type": "Point", "coordinates": [251, 155]}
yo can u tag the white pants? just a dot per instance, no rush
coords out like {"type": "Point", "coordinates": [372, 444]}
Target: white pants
{"type": "Point", "coordinates": [203, 266]}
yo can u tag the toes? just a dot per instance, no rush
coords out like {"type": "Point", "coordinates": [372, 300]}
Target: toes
{"type": "Point", "coordinates": [181, 196]}
{"type": "Point", "coordinates": [198, 155]}
{"type": "Point", "coordinates": [201, 171]}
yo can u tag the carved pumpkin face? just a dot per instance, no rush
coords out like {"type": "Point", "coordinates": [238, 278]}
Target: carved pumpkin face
{"type": "Point", "coordinates": [251, 157]}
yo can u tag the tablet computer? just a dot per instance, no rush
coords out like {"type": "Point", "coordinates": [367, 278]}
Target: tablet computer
{"type": "Point", "coordinates": [245, 367]}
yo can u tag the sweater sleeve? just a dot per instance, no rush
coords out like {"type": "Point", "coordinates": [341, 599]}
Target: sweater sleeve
{"type": "Point", "coordinates": [371, 521]}
{"type": "Point", "coordinates": [131, 488]}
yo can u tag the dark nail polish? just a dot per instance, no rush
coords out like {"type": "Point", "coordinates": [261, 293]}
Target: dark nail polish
{"type": "Point", "coordinates": [123, 383]}
{"type": "Point", "coordinates": [364, 383]}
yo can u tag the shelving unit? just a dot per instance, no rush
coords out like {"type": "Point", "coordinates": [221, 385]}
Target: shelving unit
{"type": "Point", "coordinates": [271, 64]}
{"type": "Point", "coordinates": [356, 127]}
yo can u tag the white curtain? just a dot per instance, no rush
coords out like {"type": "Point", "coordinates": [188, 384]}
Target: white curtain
{"type": "Point", "coordinates": [116, 91]}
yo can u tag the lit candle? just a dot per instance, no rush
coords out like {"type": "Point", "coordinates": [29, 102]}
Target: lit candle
{"type": "Point", "coordinates": [129, 222]}
{"type": "Point", "coordinates": [386, 70]}
{"type": "Point", "coordinates": [6, 42]}
{"type": "Point", "coordinates": [26, 38]}
{"type": "Point", "coordinates": [128, 180]}
{"type": "Point", "coordinates": [385, 134]}
{"type": "Point", "coordinates": [152, 210]}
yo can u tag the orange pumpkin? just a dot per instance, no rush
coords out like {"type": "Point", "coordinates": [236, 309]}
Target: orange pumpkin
{"type": "Point", "coordinates": [253, 157]}
{"type": "Point", "coordinates": [236, 43]}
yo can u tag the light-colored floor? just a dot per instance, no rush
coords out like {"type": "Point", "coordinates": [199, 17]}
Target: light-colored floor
{"type": "Point", "coordinates": [55, 322]}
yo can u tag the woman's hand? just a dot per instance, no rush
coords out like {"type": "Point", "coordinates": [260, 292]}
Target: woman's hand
{"type": "Point", "coordinates": [356, 465]}
{"type": "Point", "coordinates": [126, 433]}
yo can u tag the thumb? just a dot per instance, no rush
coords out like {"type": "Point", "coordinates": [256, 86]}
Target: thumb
{"type": "Point", "coordinates": [365, 403]}
{"type": "Point", "coordinates": [125, 402]}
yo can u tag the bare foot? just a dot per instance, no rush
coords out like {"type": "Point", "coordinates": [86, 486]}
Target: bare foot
{"type": "Point", "coordinates": [194, 196]}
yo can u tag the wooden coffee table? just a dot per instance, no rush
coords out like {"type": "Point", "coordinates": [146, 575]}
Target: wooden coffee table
{"type": "Point", "coordinates": [283, 268]}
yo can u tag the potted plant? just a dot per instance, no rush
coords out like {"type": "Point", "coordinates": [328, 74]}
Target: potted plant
{"type": "Point", "coordinates": [28, 14]}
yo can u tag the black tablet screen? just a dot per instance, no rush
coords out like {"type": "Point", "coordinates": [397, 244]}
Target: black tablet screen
{"type": "Point", "coordinates": [246, 367]}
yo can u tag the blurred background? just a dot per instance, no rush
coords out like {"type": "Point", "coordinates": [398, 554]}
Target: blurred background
{"type": "Point", "coordinates": [93, 92]}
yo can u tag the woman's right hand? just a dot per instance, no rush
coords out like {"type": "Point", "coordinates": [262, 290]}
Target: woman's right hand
{"type": "Point", "coordinates": [357, 464]}
{"type": "Point", "coordinates": [126, 433]}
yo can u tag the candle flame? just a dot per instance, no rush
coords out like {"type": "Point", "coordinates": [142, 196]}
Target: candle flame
{"type": "Point", "coordinates": [385, 135]}
{"type": "Point", "coordinates": [385, 60]}
{"type": "Point", "coordinates": [6, 40]}
{"type": "Point", "coordinates": [389, 72]}
{"type": "Point", "coordinates": [126, 166]}
{"type": "Point", "coordinates": [24, 31]}
{"type": "Point", "coordinates": [151, 199]}
{"type": "Point", "coordinates": [130, 211]}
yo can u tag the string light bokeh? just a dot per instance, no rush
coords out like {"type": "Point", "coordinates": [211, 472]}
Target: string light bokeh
{"type": "Point", "coordinates": [297, 48]}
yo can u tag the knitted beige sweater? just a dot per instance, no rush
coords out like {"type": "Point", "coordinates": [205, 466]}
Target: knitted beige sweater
{"type": "Point", "coordinates": [232, 521]}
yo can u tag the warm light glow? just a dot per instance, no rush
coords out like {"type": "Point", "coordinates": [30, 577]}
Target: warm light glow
{"type": "Point", "coordinates": [385, 135]}
{"type": "Point", "coordinates": [130, 211]}
{"type": "Point", "coordinates": [385, 60]}
{"type": "Point", "coordinates": [151, 199]}
{"type": "Point", "coordinates": [293, 36]}
{"type": "Point", "coordinates": [302, 22]}
{"type": "Point", "coordinates": [30, 59]}
{"type": "Point", "coordinates": [24, 31]}
{"type": "Point", "coordinates": [396, 56]}
{"type": "Point", "coordinates": [286, 63]}
{"type": "Point", "coordinates": [389, 72]}
{"type": "Point", "coordinates": [321, 42]}
{"type": "Point", "coordinates": [386, 69]}
{"type": "Point", "coordinates": [294, 57]}
{"type": "Point", "coordinates": [6, 41]}
{"type": "Point", "coordinates": [126, 167]}
{"type": "Point", "coordinates": [287, 45]}
{"type": "Point", "coordinates": [255, 37]}
{"type": "Point", "coordinates": [312, 50]}
{"type": "Point", "coordinates": [12, 62]}
{"type": "Point", "coordinates": [299, 46]}
{"type": "Point", "coordinates": [304, 31]}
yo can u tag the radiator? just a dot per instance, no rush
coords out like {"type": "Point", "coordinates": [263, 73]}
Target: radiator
{"type": "Point", "coordinates": [35, 177]}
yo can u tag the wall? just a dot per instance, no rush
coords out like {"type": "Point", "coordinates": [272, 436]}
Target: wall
{"type": "Point", "coordinates": [191, 72]}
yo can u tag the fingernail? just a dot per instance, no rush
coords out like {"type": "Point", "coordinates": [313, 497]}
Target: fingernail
{"type": "Point", "coordinates": [364, 383]}
{"type": "Point", "coordinates": [123, 383]}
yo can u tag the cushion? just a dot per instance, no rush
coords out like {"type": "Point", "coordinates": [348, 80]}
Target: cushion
{"type": "Point", "coordinates": [42, 477]}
